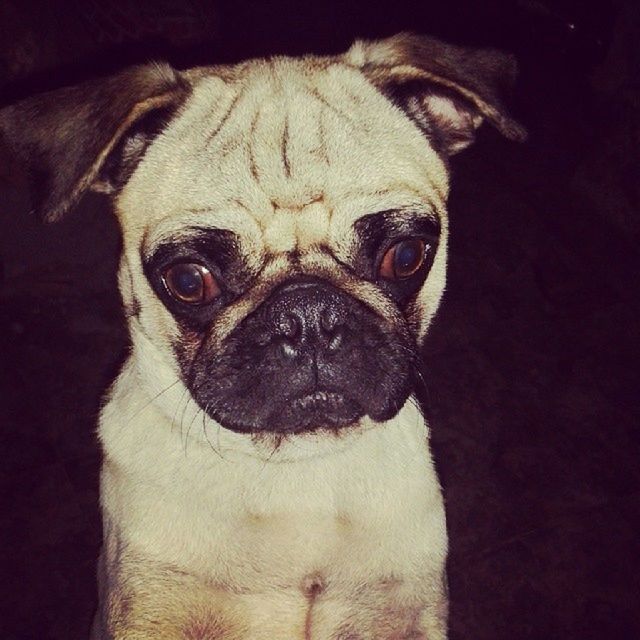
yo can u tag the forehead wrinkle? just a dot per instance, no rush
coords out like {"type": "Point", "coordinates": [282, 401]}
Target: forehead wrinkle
{"type": "Point", "coordinates": [312, 224]}
{"type": "Point", "coordinates": [304, 147]}
{"type": "Point", "coordinates": [286, 163]}
{"type": "Point", "coordinates": [328, 106]}
{"type": "Point", "coordinates": [258, 219]}
{"type": "Point", "coordinates": [338, 93]}
{"type": "Point", "coordinates": [284, 145]}
{"type": "Point", "coordinates": [351, 88]}
{"type": "Point", "coordinates": [279, 268]}
{"type": "Point", "coordinates": [267, 137]}
{"type": "Point", "coordinates": [324, 264]}
{"type": "Point", "coordinates": [304, 129]}
{"type": "Point", "coordinates": [275, 271]}
{"type": "Point", "coordinates": [227, 113]}
{"type": "Point", "coordinates": [305, 121]}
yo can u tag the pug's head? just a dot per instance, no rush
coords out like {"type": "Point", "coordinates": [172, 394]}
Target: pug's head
{"type": "Point", "coordinates": [284, 221]}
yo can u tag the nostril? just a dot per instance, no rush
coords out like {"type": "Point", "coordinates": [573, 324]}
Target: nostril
{"type": "Point", "coordinates": [288, 326]}
{"type": "Point", "coordinates": [289, 350]}
{"type": "Point", "coordinates": [336, 340]}
{"type": "Point", "coordinates": [288, 333]}
{"type": "Point", "coordinates": [330, 320]}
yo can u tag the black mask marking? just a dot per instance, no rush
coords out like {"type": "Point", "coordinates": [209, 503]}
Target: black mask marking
{"type": "Point", "coordinates": [309, 357]}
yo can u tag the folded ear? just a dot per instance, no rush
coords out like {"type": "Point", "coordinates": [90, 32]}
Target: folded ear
{"type": "Point", "coordinates": [90, 136]}
{"type": "Point", "coordinates": [445, 89]}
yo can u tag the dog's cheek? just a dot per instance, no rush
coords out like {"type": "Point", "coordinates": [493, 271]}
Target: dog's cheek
{"type": "Point", "coordinates": [166, 339]}
{"type": "Point", "coordinates": [130, 301]}
{"type": "Point", "coordinates": [187, 346]}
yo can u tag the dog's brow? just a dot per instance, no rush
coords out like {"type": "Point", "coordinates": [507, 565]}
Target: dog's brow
{"type": "Point", "coordinates": [175, 233]}
{"type": "Point", "coordinates": [193, 238]}
{"type": "Point", "coordinates": [395, 222]}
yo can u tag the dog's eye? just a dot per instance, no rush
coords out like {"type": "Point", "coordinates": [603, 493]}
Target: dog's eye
{"type": "Point", "coordinates": [191, 283]}
{"type": "Point", "coordinates": [403, 259]}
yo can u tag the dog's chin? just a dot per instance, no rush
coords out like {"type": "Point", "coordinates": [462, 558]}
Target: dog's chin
{"type": "Point", "coordinates": [319, 411]}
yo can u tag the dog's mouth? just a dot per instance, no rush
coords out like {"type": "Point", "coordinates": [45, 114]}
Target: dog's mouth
{"type": "Point", "coordinates": [318, 410]}
{"type": "Point", "coordinates": [321, 400]}
{"type": "Point", "coordinates": [311, 357]}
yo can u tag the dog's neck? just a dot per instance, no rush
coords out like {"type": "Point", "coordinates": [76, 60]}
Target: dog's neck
{"type": "Point", "coordinates": [379, 476]}
{"type": "Point", "coordinates": [148, 397]}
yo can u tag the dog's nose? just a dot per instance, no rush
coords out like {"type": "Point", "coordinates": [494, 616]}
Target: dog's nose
{"type": "Point", "coordinates": [307, 317]}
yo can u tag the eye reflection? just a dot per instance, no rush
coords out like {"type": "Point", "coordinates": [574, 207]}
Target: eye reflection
{"type": "Point", "coordinates": [190, 283]}
{"type": "Point", "coordinates": [403, 259]}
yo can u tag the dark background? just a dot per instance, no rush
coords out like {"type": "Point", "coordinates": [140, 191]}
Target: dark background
{"type": "Point", "coordinates": [531, 365]}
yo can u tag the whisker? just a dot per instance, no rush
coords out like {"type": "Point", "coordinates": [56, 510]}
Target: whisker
{"type": "Point", "coordinates": [186, 437]}
{"type": "Point", "coordinates": [152, 400]}
{"type": "Point", "coordinates": [206, 435]}
{"type": "Point", "coordinates": [185, 391]}
{"type": "Point", "coordinates": [182, 416]}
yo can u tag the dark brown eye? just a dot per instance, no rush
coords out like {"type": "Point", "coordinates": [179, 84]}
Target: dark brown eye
{"type": "Point", "coordinates": [403, 259]}
{"type": "Point", "coordinates": [191, 283]}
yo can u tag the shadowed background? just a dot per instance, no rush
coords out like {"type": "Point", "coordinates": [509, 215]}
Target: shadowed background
{"type": "Point", "coordinates": [531, 367]}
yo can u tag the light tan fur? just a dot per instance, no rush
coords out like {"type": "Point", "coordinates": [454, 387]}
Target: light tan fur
{"type": "Point", "coordinates": [288, 154]}
{"type": "Point", "coordinates": [214, 534]}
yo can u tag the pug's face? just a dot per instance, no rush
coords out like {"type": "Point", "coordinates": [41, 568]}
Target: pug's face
{"type": "Point", "coordinates": [285, 228]}
{"type": "Point", "coordinates": [286, 241]}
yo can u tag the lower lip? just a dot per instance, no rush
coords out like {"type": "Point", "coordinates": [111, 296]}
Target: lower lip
{"type": "Point", "coordinates": [319, 399]}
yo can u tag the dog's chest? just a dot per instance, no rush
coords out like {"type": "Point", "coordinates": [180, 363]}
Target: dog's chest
{"type": "Point", "coordinates": [300, 573]}
{"type": "Point", "coordinates": [255, 526]}
{"type": "Point", "coordinates": [356, 533]}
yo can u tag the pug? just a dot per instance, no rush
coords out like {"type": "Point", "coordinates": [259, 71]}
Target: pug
{"type": "Point", "coordinates": [267, 473]}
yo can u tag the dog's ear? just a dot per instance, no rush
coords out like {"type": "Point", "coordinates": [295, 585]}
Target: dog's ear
{"type": "Point", "coordinates": [445, 89]}
{"type": "Point", "coordinates": [92, 135]}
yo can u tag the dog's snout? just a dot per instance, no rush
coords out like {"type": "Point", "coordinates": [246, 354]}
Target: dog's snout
{"type": "Point", "coordinates": [305, 317]}
{"type": "Point", "coordinates": [311, 356]}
